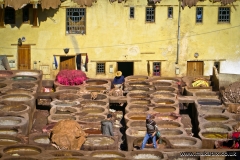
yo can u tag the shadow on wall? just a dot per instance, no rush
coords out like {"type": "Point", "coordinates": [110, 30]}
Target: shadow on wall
{"type": "Point", "coordinates": [44, 14]}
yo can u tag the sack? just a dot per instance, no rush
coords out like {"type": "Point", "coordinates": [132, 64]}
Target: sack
{"type": "Point", "coordinates": [158, 134]}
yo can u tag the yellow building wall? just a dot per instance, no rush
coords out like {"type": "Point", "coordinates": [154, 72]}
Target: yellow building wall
{"type": "Point", "coordinates": [112, 35]}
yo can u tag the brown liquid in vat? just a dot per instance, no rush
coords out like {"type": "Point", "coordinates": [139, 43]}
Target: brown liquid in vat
{"type": "Point", "coordinates": [62, 112]}
{"type": "Point", "coordinates": [141, 118]}
{"type": "Point", "coordinates": [96, 82]}
{"type": "Point", "coordinates": [216, 119]}
{"type": "Point", "coordinates": [164, 109]}
{"type": "Point", "coordinates": [5, 142]}
{"type": "Point", "coordinates": [92, 131]}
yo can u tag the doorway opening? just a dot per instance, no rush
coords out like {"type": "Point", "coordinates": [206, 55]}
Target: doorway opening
{"type": "Point", "coordinates": [126, 68]}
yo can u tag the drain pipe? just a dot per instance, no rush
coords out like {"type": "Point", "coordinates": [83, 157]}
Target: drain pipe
{"type": "Point", "coordinates": [178, 36]}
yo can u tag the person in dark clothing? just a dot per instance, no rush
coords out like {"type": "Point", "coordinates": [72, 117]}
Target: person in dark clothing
{"type": "Point", "coordinates": [119, 78]}
{"type": "Point", "coordinates": [107, 126]}
{"type": "Point", "coordinates": [151, 131]}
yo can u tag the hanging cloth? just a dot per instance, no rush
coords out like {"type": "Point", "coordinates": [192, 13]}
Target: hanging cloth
{"type": "Point", "coordinates": [148, 68]}
{"type": "Point", "coordinates": [55, 62]}
{"type": "Point", "coordinates": [86, 62]}
{"type": "Point", "coordinates": [78, 61]}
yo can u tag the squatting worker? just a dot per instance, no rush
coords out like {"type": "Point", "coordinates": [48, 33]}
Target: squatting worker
{"type": "Point", "coordinates": [119, 78]}
{"type": "Point", "coordinates": [107, 126]}
{"type": "Point", "coordinates": [151, 131]}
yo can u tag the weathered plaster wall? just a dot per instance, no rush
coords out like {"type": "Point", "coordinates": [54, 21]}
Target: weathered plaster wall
{"type": "Point", "coordinates": [111, 35]}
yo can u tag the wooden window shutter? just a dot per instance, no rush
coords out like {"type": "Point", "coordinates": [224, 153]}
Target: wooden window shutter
{"type": "Point", "coordinates": [1, 17]}
{"type": "Point", "coordinates": [35, 19]}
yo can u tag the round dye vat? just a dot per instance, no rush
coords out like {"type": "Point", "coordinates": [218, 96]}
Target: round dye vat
{"type": "Point", "coordinates": [138, 95]}
{"type": "Point", "coordinates": [58, 117]}
{"type": "Point", "coordinates": [27, 73]}
{"type": "Point", "coordinates": [92, 110]}
{"type": "Point", "coordinates": [136, 124]}
{"type": "Point", "coordinates": [7, 122]}
{"type": "Point", "coordinates": [164, 109]}
{"type": "Point", "coordinates": [166, 117]}
{"type": "Point", "coordinates": [24, 78]}
{"type": "Point", "coordinates": [7, 141]}
{"type": "Point", "coordinates": [93, 103]}
{"type": "Point", "coordinates": [216, 127]}
{"type": "Point", "coordinates": [22, 150]}
{"type": "Point", "coordinates": [92, 131]}
{"type": "Point", "coordinates": [64, 103]}
{"type": "Point", "coordinates": [213, 135]}
{"type": "Point", "coordinates": [182, 141]}
{"type": "Point", "coordinates": [166, 124]}
{"type": "Point", "coordinates": [171, 132]}
{"type": "Point", "coordinates": [95, 88]}
{"type": "Point", "coordinates": [163, 95]}
{"type": "Point", "coordinates": [216, 118]}
{"type": "Point", "coordinates": [209, 102]}
{"type": "Point", "coordinates": [62, 110]}
{"type": "Point", "coordinates": [67, 96]}
{"type": "Point", "coordinates": [8, 131]}
{"type": "Point", "coordinates": [13, 108]}
{"type": "Point", "coordinates": [107, 154]}
{"type": "Point", "coordinates": [138, 118]}
{"type": "Point", "coordinates": [42, 140]}
{"type": "Point", "coordinates": [2, 85]}
{"type": "Point", "coordinates": [96, 82]}
{"type": "Point", "coordinates": [165, 89]}
{"type": "Point", "coordinates": [161, 83]}
{"type": "Point", "coordinates": [138, 84]}
{"type": "Point", "coordinates": [139, 101]}
{"type": "Point", "coordinates": [23, 85]}
{"type": "Point", "coordinates": [138, 108]}
{"type": "Point", "coordinates": [98, 141]}
{"type": "Point", "coordinates": [163, 101]}
{"type": "Point", "coordinates": [213, 110]}
{"type": "Point", "coordinates": [92, 118]}
{"type": "Point", "coordinates": [16, 97]}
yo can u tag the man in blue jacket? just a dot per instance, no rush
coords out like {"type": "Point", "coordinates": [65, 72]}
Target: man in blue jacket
{"type": "Point", "coordinates": [119, 78]}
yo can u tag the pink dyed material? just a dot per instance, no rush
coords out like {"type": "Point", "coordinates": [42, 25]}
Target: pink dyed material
{"type": "Point", "coordinates": [71, 77]}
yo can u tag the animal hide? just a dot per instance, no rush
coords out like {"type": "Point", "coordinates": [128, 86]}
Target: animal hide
{"type": "Point", "coordinates": [68, 134]}
{"type": "Point", "coordinates": [94, 95]}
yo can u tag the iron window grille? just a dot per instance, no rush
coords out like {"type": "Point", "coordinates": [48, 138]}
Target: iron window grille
{"type": "Point", "coordinates": [170, 12]}
{"type": "Point", "coordinates": [156, 68]}
{"type": "Point", "coordinates": [150, 14]}
{"type": "Point", "coordinates": [131, 12]}
{"type": "Point", "coordinates": [199, 14]}
{"type": "Point", "coordinates": [9, 15]}
{"type": "Point", "coordinates": [224, 14]}
{"type": "Point", "coordinates": [76, 21]}
{"type": "Point", "coordinates": [100, 68]}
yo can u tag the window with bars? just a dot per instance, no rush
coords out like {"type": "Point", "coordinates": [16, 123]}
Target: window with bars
{"type": "Point", "coordinates": [224, 14]}
{"type": "Point", "coordinates": [156, 68]}
{"type": "Point", "coordinates": [170, 12]}
{"type": "Point", "coordinates": [9, 15]}
{"type": "Point", "coordinates": [199, 14]}
{"type": "Point", "coordinates": [76, 21]}
{"type": "Point", "coordinates": [131, 12]}
{"type": "Point", "coordinates": [100, 68]}
{"type": "Point", "coordinates": [150, 14]}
